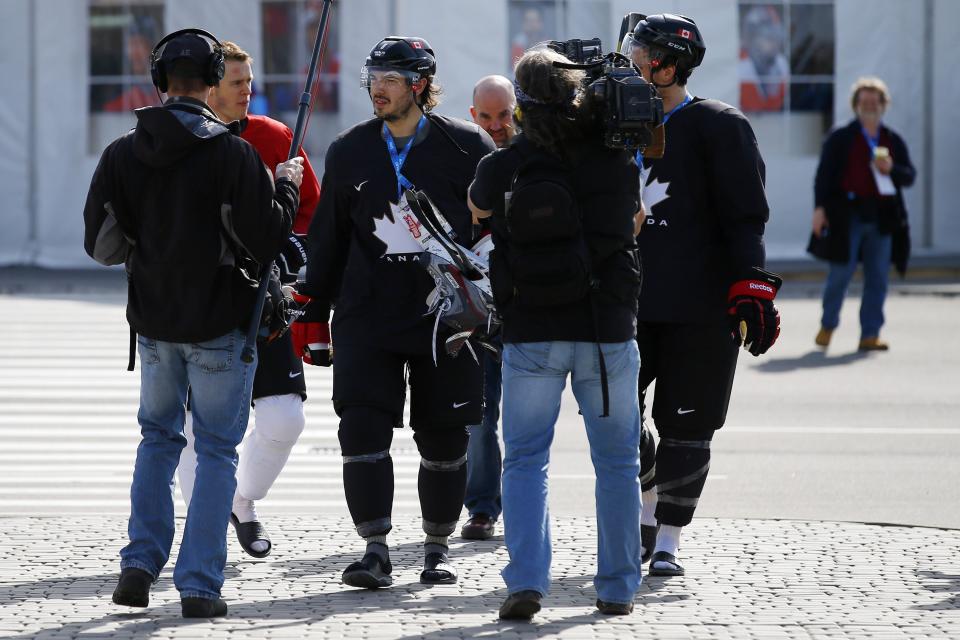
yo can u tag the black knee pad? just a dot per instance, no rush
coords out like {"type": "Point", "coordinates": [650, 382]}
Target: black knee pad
{"type": "Point", "coordinates": [443, 477]}
{"type": "Point", "coordinates": [368, 487]}
{"type": "Point", "coordinates": [365, 430]}
{"type": "Point", "coordinates": [648, 459]}
{"type": "Point", "coordinates": [365, 435]}
{"type": "Point", "coordinates": [681, 473]}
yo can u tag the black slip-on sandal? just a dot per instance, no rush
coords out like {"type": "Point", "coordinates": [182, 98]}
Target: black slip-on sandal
{"type": "Point", "coordinates": [250, 532]}
{"type": "Point", "coordinates": [662, 557]}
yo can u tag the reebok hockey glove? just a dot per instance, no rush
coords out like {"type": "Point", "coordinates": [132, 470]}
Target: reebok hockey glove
{"type": "Point", "coordinates": [752, 312]}
{"type": "Point", "coordinates": [292, 257]}
{"type": "Point", "coordinates": [311, 340]}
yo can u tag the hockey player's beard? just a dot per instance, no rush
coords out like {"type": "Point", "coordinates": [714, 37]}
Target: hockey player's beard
{"type": "Point", "coordinates": [399, 113]}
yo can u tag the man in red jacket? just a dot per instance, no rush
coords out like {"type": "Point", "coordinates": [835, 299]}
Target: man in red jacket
{"type": "Point", "coordinates": [278, 388]}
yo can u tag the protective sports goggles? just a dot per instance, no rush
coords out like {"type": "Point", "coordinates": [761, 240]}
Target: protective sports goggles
{"type": "Point", "coordinates": [370, 76]}
{"type": "Point", "coordinates": [639, 52]}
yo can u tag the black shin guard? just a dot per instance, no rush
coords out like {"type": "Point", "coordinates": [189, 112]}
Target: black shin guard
{"type": "Point", "coordinates": [682, 467]}
{"type": "Point", "coordinates": [442, 480]}
{"type": "Point", "coordinates": [365, 435]}
{"type": "Point", "coordinates": [648, 459]}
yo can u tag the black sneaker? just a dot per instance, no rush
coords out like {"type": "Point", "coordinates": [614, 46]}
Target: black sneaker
{"type": "Point", "coordinates": [520, 605]}
{"type": "Point", "coordinates": [615, 608]}
{"type": "Point", "coordinates": [133, 589]}
{"type": "Point", "coordinates": [370, 573]}
{"type": "Point", "coordinates": [203, 607]}
{"type": "Point", "coordinates": [437, 569]}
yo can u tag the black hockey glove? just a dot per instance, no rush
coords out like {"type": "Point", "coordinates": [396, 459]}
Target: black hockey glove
{"type": "Point", "coordinates": [752, 313]}
{"type": "Point", "coordinates": [293, 255]}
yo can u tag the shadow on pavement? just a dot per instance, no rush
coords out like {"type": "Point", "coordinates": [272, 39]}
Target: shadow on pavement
{"type": "Point", "coordinates": [403, 556]}
{"type": "Point", "coordinates": [938, 582]}
{"type": "Point", "coordinates": [813, 360]}
{"type": "Point", "coordinates": [278, 613]}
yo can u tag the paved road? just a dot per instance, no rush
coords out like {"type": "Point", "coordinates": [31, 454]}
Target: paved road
{"type": "Point", "coordinates": [752, 579]}
{"type": "Point", "coordinates": [810, 435]}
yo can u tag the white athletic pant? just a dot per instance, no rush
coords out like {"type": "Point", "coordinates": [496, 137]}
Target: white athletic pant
{"type": "Point", "coordinates": [279, 421]}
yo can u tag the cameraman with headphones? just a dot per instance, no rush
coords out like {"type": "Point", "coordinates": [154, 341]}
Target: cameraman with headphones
{"type": "Point", "coordinates": [704, 290]}
{"type": "Point", "coordinates": [565, 278]}
{"type": "Point", "coordinates": [179, 200]}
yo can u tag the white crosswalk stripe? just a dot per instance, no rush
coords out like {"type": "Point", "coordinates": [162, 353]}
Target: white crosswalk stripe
{"type": "Point", "coordinates": [68, 427]}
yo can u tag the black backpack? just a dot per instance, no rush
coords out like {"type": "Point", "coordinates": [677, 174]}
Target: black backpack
{"type": "Point", "coordinates": [548, 263]}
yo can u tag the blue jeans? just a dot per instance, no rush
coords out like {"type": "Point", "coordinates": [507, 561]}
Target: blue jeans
{"type": "Point", "coordinates": [483, 449]}
{"type": "Point", "coordinates": [875, 248]}
{"type": "Point", "coordinates": [220, 400]}
{"type": "Point", "coordinates": [534, 375]}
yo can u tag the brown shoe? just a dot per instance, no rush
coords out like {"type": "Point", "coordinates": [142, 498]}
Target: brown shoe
{"type": "Point", "coordinates": [872, 344]}
{"type": "Point", "coordinates": [478, 527]}
{"type": "Point", "coordinates": [823, 337]}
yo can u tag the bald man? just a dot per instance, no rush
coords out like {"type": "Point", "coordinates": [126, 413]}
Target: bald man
{"type": "Point", "coordinates": [492, 110]}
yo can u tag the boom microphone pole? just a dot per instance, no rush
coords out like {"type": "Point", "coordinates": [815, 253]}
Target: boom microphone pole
{"type": "Point", "coordinates": [250, 345]}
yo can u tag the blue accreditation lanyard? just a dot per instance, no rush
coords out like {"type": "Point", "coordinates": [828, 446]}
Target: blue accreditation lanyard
{"type": "Point", "coordinates": [666, 117]}
{"type": "Point", "coordinates": [397, 159]}
{"type": "Point", "coordinates": [873, 142]}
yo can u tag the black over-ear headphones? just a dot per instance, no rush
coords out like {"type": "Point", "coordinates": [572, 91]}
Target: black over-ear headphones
{"type": "Point", "coordinates": [212, 71]}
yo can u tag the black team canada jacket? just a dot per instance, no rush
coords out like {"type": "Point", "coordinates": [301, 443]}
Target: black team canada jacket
{"type": "Point", "coordinates": [706, 213]}
{"type": "Point", "coordinates": [380, 292]}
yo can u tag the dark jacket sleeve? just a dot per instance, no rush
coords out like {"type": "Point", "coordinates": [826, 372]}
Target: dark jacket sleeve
{"type": "Point", "coordinates": [903, 173]}
{"type": "Point", "coordinates": [107, 237]}
{"type": "Point", "coordinates": [480, 187]}
{"type": "Point", "coordinates": [258, 214]}
{"type": "Point", "coordinates": [833, 156]}
{"type": "Point", "coordinates": [738, 175]}
{"type": "Point", "coordinates": [328, 241]}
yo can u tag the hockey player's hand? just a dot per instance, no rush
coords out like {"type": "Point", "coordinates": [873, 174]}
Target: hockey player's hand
{"type": "Point", "coordinates": [752, 312]}
{"type": "Point", "coordinates": [293, 255]}
{"type": "Point", "coordinates": [292, 170]}
{"type": "Point", "coordinates": [311, 340]}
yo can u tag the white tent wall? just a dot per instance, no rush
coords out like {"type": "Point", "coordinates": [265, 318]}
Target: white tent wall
{"type": "Point", "coordinates": [945, 155]}
{"type": "Point", "coordinates": [15, 133]}
{"type": "Point", "coordinates": [362, 24]}
{"type": "Point", "coordinates": [868, 48]}
{"type": "Point", "coordinates": [235, 20]}
{"type": "Point", "coordinates": [44, 226]}
{"type": "Point", "coordinates": [63, 165]}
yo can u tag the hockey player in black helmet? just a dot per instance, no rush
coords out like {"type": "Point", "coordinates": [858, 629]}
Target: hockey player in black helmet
{"type": "Point", "coordinates": [364, 258]}
{"type": "Point", "coordinates": [704, 292]}
{"type": "Point", "coordinates": [669, 40]}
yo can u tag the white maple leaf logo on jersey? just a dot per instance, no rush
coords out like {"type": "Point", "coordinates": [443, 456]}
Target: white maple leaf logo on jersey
{"type": "Point", "coordinates": [394, 230]}
{"type": "Point", "coordinates": [654, 193]}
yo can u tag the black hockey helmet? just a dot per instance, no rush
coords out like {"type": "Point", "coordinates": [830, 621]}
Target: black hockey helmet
{"type": "Point", "coordinates": [413, 57]}
{"type": "Point", "coordinates": [670, 38]}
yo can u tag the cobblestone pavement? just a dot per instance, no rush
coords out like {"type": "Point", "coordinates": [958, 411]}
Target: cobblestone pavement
{"type": "Point", "coordinates": [746, 579]}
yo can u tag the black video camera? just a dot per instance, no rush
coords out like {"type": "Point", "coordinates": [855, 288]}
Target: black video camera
{"type": "Point", "coordinates": [627, 107]}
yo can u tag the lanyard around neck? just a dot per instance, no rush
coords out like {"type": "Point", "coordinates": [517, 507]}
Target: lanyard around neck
{"type": "Point", "coordinates": [666, 117]}
{"type": "Point", "coordinates": [685, 102]}
{"type": "Point", "coordinates": [397, 159]}
{"type": "Point", "coordinates": [872, 141]}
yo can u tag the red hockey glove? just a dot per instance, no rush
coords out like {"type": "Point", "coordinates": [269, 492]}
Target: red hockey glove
{"type": "Point", "coordinates": [311, 340]}
{"type": "Point", "coordinates": [754, 316]}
